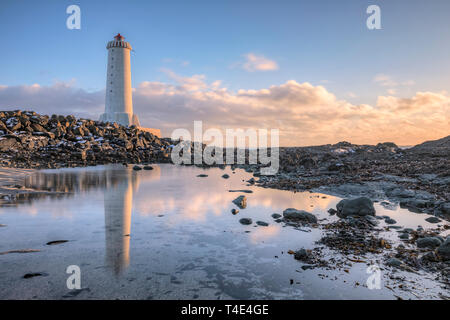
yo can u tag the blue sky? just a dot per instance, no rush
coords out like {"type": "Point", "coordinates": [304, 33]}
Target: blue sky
{"type": "Point", "coordinates": [310, 40]}
{"type": "Point", "coordinates": [320, 42]}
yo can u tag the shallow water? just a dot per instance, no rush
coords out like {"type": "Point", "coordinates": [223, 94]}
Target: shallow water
{"type": "Point", "coordinates": [168, 234]}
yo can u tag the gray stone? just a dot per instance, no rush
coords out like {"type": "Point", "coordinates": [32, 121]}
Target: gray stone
{"type": "Point", "coordinates": [246, 221]}
{"type": "Point", "coordinates": [294, 214]}
{"type": "Point", "coordinates": [444, 249]}
{"type": "Point", "coordinates": [390, 221]}
{"type": "Point", "coordinates": [433, 220]}
{"type": "Point", "coordinates": [301, 254]}
{"type": "Point", "coordinates": [404, 236]}
{"type": "Point", "coordinates": [371, 220]}
{"type": "Point", "coordinates": [276, 215]}
{"type": "Point", "coordinates": [355, 207]}
{"type": "Point", "coordinates": [394, 262]}
{"type": "Point", "coordinates": [429, 242]}
{"type": "Point", "coordinates": [262, 223]}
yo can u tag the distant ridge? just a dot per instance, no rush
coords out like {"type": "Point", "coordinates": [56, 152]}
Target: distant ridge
{"type": "Point", "coordinates": [433, 146]}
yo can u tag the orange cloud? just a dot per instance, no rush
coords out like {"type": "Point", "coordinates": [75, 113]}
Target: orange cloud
{"type": "Point", "coordinates": [305, 114]}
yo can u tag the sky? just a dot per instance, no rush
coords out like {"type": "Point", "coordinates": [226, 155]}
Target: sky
{"type": "Point", "coordinates": [311, 69]}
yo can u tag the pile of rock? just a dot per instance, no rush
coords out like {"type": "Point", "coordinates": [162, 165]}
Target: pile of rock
{"type": "Point", "coordinates": [30, 140]}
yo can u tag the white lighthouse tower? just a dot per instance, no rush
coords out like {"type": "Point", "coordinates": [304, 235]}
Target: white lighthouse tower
{"type": "Point", "coordinates": [119, 103]}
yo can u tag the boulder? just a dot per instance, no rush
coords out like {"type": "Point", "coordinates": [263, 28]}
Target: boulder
{"type": "Point", "coordinates": [294, 214]}
{"type": "Point", "coordinates": [8, 144]}
{"type": "Point", "coordinates": [355, 207]}
{"type": "Point", "coordinates": [433, 220]}
{"type": "Point", "coordinates": [429, 242]}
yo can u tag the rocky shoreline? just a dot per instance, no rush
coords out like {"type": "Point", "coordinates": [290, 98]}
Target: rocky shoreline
{"type": "Point", "coordinates": [417, 178]}
{"type": "Point", "coordinates": [30, 140]}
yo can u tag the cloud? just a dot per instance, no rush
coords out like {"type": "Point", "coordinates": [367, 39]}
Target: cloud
{"type": "Point", "coordinates": [193, 83]}
{"type": "Point", "coordinates": [391, 91]}
{"type": "Point", "coordinates": [304, 114]}
{"type": "Point", "coordinates": [258, 63]}
{"type": "Point", "coordinates": [59, 98]}
{"type": "Point", "coordinates": [387, 81]}
{"type": "Point", "coordinates": [384, 80]}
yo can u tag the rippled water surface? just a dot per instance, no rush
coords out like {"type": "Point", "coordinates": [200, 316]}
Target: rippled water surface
{"type": "Point", "coordinates": [168, 234]}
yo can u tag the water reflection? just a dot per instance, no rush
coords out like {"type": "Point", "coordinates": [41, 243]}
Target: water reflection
{"type": "Point", "coordinates": [118, 204]}
{"type": "Point", "coordinates": [169, 234]}
{"type": "Point", "coordinates": [119, 186]}
{"type": "Point", "coordinates": [118, 199]}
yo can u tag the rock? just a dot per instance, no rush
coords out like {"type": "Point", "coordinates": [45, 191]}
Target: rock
{"type": "Point", "coordinates": [390, 221]}
{"type": "Point", "coordinates": [294, 214]}
{"type": "Point", "coordinates": [444, 250]}
{"type": "Point", "coordinates": [225, 176]}
{"type": "Point", "coordinates": [32, 275]}
{"type": "Point", "coordinates": [276, 215]}
{"type": "Point", "coordinates": [404, 236]}
{"type": "Point", "coordinates": [246, 221]}
{"type": "Point", "coordinates": [433, 220]}
{"type": "Point", "coordinates": [241, 202]}
{"type": "Point", "coordinates": [52, 243]}
{"type": "Point", "coordinates": [401, 193]}
{"type": "Point", "coordinates": [355, 207]}
{"type": "Point", "coordinates": [429, 242]}
{"type": "Point", "coordinates": [202, 175]}
{"type": "Point", "coordinates": [148, 168]}
{"type": "Point", "coordinates": [307, 266]}
{"type": "Point", "coordinates": [7, 144]}
{"type": "Point", "coordinates": [430, 256]}
{"type": "Point", "coordinates": [241, 190]}
{"type": "Point", "coordinates": [234, 211]}
{"type": "Point", "coordinates": [394, 262]}
{"type": "Point", "coordinates": [262, 223]}
{"type": "Point", "coordinates": [137, 168]}
{"type": "Point", "coordinates": [372, 220]}
{"type": "Point", "coordinates": [302, 255]}
{"type": "Point", "coordinates": [444, 208]}
{"type": "Point", "coordinates": [332, 211]}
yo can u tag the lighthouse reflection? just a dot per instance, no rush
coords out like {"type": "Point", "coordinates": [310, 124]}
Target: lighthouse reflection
{"type": "Point", "coordinates": [119, 184]}
{"type": "Point", "coordinates": [118, 204]}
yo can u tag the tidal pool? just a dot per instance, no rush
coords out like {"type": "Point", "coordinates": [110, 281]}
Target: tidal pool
{"type": "Point", "coordinates": [168, 234]}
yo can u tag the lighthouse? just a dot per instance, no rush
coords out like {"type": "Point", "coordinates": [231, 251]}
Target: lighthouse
{"type": "Point", "coordinates": [119, 102]}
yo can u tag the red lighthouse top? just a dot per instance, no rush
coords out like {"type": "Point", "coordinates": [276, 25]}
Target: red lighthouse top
{"type": "Point", "coordinates": [119, 37]}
